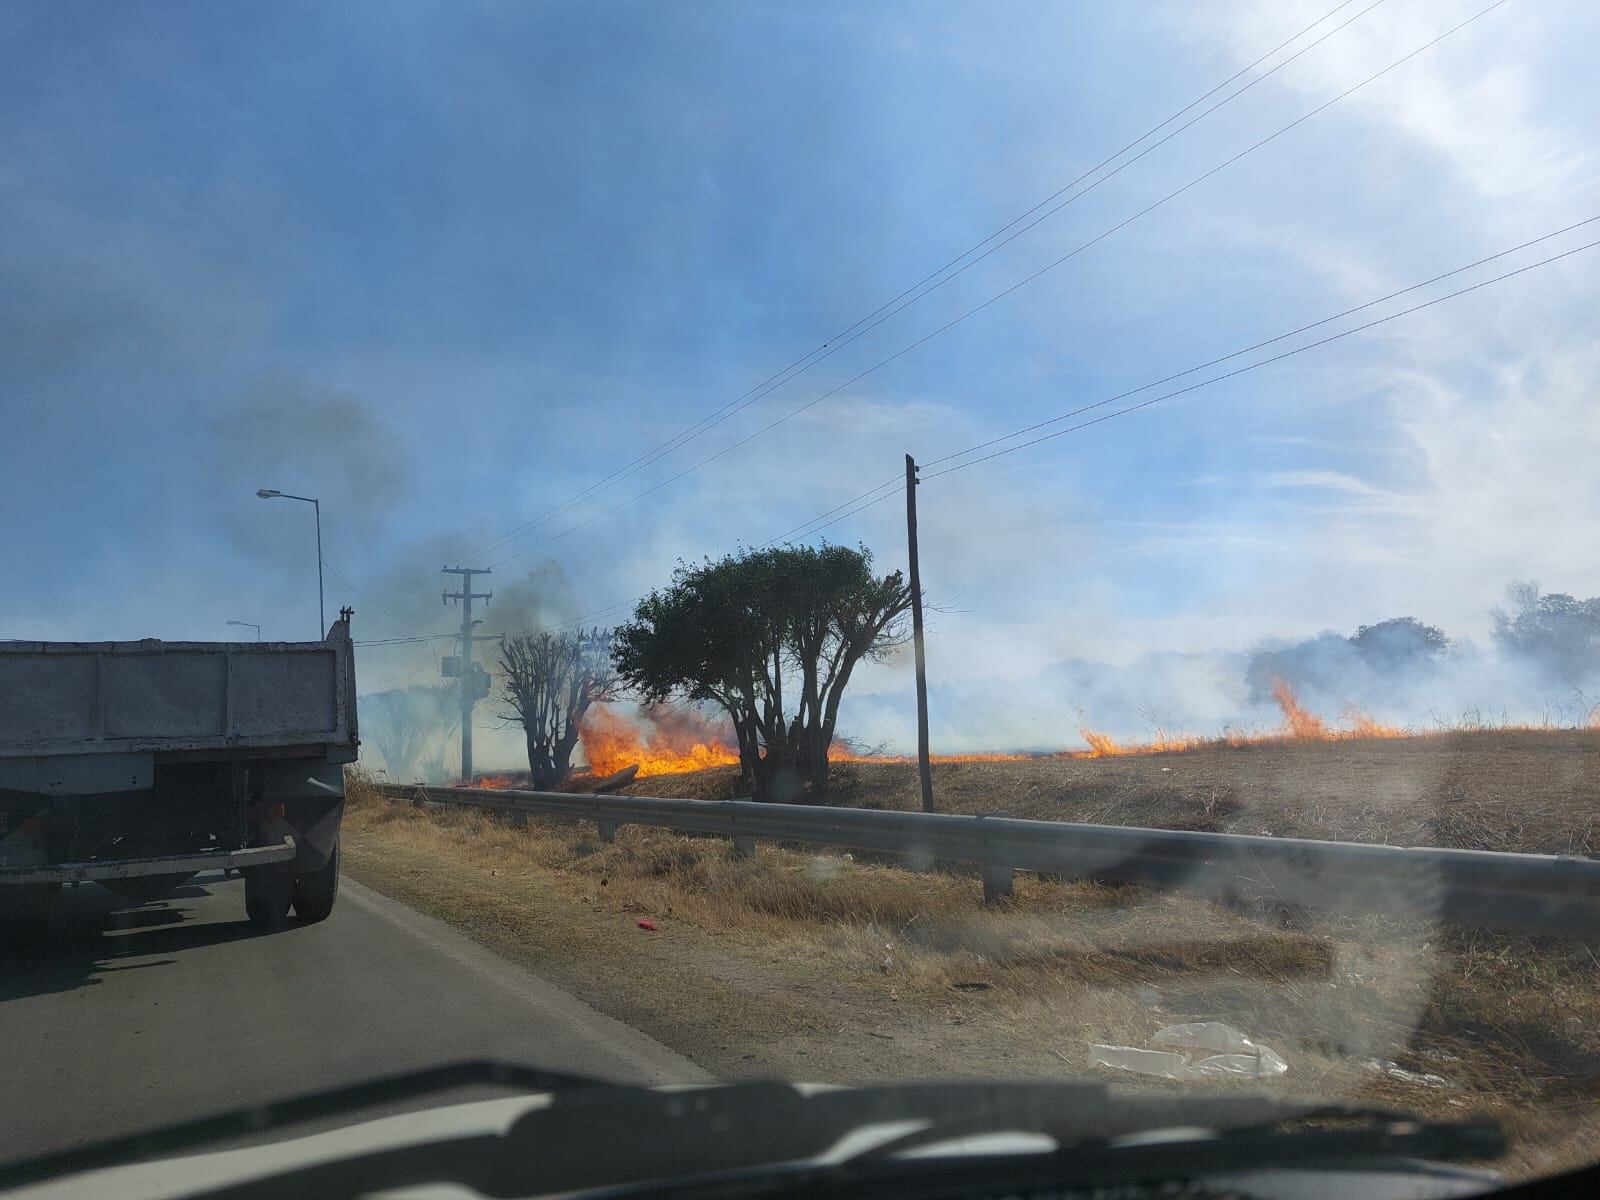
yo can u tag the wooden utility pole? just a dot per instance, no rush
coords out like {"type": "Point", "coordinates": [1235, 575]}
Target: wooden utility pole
{"type": "Point", "coordinates": [474, 680]}
{"type": "Point", "coordinates": [923, 768]}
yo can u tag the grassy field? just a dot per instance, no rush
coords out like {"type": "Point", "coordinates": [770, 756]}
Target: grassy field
{"type": "Point", "coordinates": [818, 966]}
{"type": "Point", "coordinates": [1530, 791]}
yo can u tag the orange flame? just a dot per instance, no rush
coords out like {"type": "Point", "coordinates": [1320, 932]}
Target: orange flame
{"type": "Point", "coordinates": [1298, 722]}
{"type": "Point", "coordinates": [677, 740]}
{"type": "Point", "coordinates": [668, 741]}
{"type": "Point", "coordinates": [1364, 726]}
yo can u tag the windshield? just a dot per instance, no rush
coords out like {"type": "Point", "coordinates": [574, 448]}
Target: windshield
{"type": "Point", "coordinates": [1104, 489]}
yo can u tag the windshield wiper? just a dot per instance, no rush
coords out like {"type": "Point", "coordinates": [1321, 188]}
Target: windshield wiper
{"type": "Point", "coordinates": [1385, 1130]}
{"type": "Point", "coordinates": [211, 1133]}
{"type": "Point", "coordinates": [773, 1137]}
{"type": "Point", "coordinates": [1305, 1138]}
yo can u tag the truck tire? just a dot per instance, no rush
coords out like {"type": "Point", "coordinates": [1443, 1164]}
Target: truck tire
{"type": "Point", "coordinates": [315, 891]}
{"type": "Point", "coordinates": [267, 893]}
{"type": "Point", "coordinates": [142, 889]}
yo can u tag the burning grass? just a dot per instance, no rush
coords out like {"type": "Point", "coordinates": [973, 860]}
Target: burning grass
{"type": "Point", "coordinates": [831, 967]}
{"type": "Point", "coordinates": [665, 740]}
{"type": "Point", "coordinates": [1528, 791]}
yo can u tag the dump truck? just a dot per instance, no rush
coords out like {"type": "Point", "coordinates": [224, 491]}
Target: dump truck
{"type": "Point", "coordinates": [136, 765]}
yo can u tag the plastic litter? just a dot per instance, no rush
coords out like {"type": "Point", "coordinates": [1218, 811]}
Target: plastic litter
{"type": "Point", "coordinates": [1262, 1065]}
{"type": "Point", "coordinates": [1141, 1062]}
{"type": "Point", "coordinates": [1396, 1071]}
{"type": "Point", "coordinates": [1205, 1035]}
{"type": "Point", "coordinates": [1234, 1054]}
{"type": "Point", "coordinates": [646, 923]}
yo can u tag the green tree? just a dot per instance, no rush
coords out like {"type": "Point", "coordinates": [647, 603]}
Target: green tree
{"type": "Point", "coordinates": [1399, 642]}
{"type": "Point", "coordinates": [772, 638]}
{"type": "Point", "coordinates": [1557, 633]}
{"type": "Point", "coordinates": [550, 681]}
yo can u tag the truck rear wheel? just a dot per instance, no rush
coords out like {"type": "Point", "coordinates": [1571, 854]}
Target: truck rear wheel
{"type": "Point", "coordinates": [315, 891]}
{"type": "Point", "coordinates": [267, 892]}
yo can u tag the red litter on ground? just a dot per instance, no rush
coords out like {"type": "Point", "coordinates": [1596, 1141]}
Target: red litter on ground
{"type": "Point", "coordinates": [646, 923]}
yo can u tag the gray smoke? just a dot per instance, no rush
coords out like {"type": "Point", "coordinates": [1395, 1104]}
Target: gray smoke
{"type": "Point", "coordinates": [1541, 666]}
{"type": "Point", "coordinates": [299, 438]}
{"type": "Point", "coordinates": [533, 598]}
{"type": "Point", "coordinates": [413, 730]}
{"type": "Point", "coordinates": [422, 722]}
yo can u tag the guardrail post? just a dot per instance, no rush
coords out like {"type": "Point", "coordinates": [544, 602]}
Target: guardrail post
{"type": "Point", "coordinates": [998, 878]}
{"type": "Point", "coordinates": [519, 816]}
{"type": "Point", "coordinates": [743, 846]}
{"type": "Point", "coordinates": [608, 830]}
{"type": "Point", "coordinates": [997, 883]}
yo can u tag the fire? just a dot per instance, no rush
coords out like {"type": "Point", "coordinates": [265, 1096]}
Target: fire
{"type": "Point", "coordinates": [1298, 722]}
{"type": "Point", "coordinates": [667, 741]}
{"type": "Point", "coordinates": [497, 782]}
{"type": "Point", "coordinates": [1101, 745]}
{"type": "Point", "coordinates": [1104, 746]}
{"type": "Point", "coordinates": [678, 740]}
{"type": "Point", "coordinates": [1364, 726]}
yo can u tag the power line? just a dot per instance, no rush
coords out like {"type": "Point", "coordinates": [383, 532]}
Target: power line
{"type": "Point", "coordinates": [1405, 312]}
{"type": "Point", "coordinates": [406, 641]}
{"type": "Point", "coordinates": [1291, 333]}
{"type": "Point", "coordinates": [871, 500]}
{"type": "Point", "coordinates": [854, 331]}
{"type": "Point", "coordinates": [806, 526]}
{"type": "Point", "coordinates": [576, 623]}
{"type": "Point", "coordinates": [1021, 283]}
{"type": "Point", "coordinates": [362, 595]}
{"type": "Point", "coordinates": [1014, 287]}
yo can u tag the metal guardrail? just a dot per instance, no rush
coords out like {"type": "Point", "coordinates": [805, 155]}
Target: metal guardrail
{"type": "Point", "coordinates": [1529, 893]}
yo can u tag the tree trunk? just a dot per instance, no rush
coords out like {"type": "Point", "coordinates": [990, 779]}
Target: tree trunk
{"type": "Point", "coordinates": [541, 765]}
{"type": "Point", "coordinates": [819, 769]}
{"type": "Point", "coordinates": [561, 759]}
{"type": "Point", "coordinates": [749, 759]}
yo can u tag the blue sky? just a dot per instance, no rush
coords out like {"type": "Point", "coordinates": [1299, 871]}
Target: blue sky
{"type": "Point", "coordinates": [445, 265]}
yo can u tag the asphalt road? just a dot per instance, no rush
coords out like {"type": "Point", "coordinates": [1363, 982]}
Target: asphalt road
{"type": "Point", "coordinates": [132, 1017]}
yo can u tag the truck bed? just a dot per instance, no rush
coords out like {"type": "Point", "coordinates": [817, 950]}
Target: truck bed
{"type": "Point", "coordinates": [171, 698]}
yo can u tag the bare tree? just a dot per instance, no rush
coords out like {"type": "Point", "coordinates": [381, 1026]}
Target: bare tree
{"type": "Point", "coordinates": [411, 726]}
{"type": "Point", "coordinates": [550, 681]}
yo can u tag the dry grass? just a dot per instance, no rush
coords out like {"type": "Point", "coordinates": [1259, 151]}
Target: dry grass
{"type": "Point", "coordinates": [830, 967]}
{"type": "Point", "coordinates": [1535, 791]}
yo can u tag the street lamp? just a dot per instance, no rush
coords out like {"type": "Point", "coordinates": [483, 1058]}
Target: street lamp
{"type": "Point", "coordinates": [248, 625]}
{"type": "Point", "coordinates": [274, 494]}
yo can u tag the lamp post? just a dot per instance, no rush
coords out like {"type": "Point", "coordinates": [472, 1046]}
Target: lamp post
{"type": "Point", "coordinates": [248, 625]}
{"type": "Point", "coordinates": [274, 494]}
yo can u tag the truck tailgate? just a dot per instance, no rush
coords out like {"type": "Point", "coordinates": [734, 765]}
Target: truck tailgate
{"type": "Point", "coordinates": [71, 698]}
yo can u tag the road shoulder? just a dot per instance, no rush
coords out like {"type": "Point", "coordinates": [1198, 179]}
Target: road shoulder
{"type": "Point", "coordinates": [567, 1016]}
